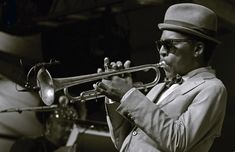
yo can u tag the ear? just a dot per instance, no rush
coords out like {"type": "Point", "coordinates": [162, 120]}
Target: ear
{"type": "Point", "coordinates": [198, 49]}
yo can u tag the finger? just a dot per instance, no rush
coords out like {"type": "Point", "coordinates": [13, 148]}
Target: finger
{"type": "Point", "coordinates": [101, 91]}
{"type": "Point", "coordinates": [127, 64]}
{"type": "Point", "coordinates": [113, 65]}
{"type": "Point", "coordinates": [95, 86]}
{"type": "Point", "coordinates": [102, 86]}
{"type": "Point", "coordinates": [119, 65]}
{"type": "Point", "coordinates": [106, 63]}
{"type": "Point", "coordinates": [99, 88]}
{"type": "Point", "coordinates": [99, 70]}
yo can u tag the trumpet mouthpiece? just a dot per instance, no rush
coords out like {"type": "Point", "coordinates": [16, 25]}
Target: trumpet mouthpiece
{"type": "Point", "coordinates": [161, 64]}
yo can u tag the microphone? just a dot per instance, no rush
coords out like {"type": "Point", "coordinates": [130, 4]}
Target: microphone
{"type": "Point", "coordinates": [47, 64]}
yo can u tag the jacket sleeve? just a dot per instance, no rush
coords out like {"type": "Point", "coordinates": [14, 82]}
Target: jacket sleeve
{"type": "Point", "coordinates": [119, 127]}
{"type": "Point", "coordinates": [205, 112]}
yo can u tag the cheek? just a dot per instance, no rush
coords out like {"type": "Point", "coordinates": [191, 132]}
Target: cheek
{"type": "Point", "coordinates": [172, 60]}
{"type": "Point", "coordinates": [172, 64]}
{"type": "Point", "coordinates": [176, 63]}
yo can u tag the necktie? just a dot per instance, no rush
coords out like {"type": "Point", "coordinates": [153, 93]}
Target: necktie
{"type": "Point", "coordinates": [177, 79]}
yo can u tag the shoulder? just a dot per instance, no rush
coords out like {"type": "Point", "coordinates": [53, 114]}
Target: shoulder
{"type": "Point", "coordinates": [215, 85]}
{"type": "Point", "coordinates": [209, 87]}
{"type": "Point", "coordinates": [209, 79]}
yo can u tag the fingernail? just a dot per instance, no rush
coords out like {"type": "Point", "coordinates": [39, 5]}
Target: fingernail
{"type": "Point", "coordinates": [119, 63]}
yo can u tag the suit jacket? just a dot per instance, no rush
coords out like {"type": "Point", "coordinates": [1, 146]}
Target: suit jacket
{"type": "Point", "coordinates": [188, 119]}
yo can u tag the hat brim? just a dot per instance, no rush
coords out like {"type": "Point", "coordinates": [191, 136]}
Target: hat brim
{"type": "Point", "coordinates": [165, 26]}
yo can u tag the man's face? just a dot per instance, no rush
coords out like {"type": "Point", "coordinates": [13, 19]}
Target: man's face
{"type": "Point", "coordinates": [178, 55]}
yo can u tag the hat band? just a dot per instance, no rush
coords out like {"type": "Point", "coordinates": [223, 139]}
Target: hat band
{"type": "Point", "coordinates": [193, 27]}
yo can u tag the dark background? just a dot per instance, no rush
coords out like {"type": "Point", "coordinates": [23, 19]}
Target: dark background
{"type": "Point", "coordinates": [80, 33]}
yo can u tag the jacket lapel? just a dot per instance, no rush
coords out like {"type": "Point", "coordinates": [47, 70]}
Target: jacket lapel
{"type": "Point", "coordinates": [187, 86]}
{"type": "Point", "coordinates": [155, 91]}
{"type": "Point", "coordinates": [183, 89]}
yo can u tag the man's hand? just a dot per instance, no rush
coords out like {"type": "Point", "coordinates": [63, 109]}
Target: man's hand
{"type": "Point", "coordinates": [115, 87]}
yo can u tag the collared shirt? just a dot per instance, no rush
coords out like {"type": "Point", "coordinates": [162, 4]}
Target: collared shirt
{"type": "Point", "coordinates": [167, 92]}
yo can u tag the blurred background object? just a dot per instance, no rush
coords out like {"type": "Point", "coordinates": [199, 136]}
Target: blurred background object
{"type": "Point", "coordinates": [14, 50]}
{"type": "Point", "coordinates": [59, 126]}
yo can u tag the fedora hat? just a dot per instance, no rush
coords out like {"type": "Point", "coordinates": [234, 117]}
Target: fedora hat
{"type": "Point", "coordinates": [191, 19]}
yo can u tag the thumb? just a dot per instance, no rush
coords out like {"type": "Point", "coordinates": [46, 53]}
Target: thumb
{"type": "Point", "coordinates": [127, 64]}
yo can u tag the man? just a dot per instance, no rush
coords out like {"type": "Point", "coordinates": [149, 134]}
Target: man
{"type": "Point", "coordinates": [186, 116]}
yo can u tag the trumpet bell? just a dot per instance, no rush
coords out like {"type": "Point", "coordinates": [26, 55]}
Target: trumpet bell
{"type": "Point", "coordinates": [45, 82]}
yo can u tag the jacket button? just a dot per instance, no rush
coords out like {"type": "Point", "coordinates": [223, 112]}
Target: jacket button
{"type": "Point", "coordinates": [134, 133]}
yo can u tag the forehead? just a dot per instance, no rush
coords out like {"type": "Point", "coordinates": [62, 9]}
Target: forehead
{"type": "Point", "coordinates": [172, 35]}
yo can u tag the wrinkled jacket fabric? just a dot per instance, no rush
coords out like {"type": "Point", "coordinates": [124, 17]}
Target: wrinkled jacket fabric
{"type": "Point", "coordinates": [187, 120]}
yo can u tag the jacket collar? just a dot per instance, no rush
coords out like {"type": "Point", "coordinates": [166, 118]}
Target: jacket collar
{"type": "Point", "coordinates": [194, 79]}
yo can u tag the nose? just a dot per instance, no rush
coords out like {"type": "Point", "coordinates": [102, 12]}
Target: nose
{"type": "Point", "coordinates": [163, 52]}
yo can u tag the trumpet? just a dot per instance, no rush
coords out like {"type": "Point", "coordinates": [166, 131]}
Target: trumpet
{"type": "Point", "coordinates": [48, 85]}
